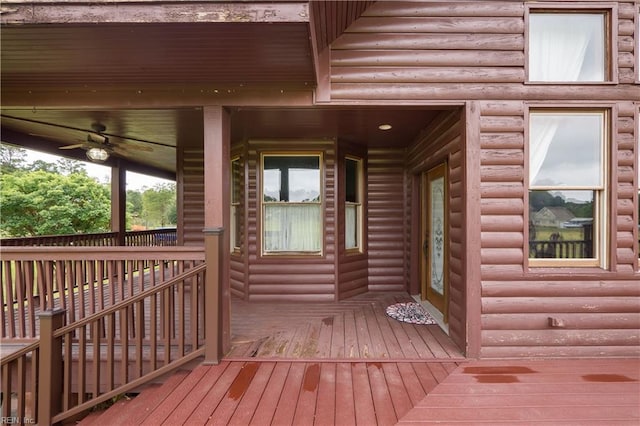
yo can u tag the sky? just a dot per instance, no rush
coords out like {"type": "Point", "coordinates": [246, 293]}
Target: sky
{"type": "Point", "coordinates": [135, 181]}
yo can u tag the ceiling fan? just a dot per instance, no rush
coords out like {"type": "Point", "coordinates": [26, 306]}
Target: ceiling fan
{"type": "Point", "coordinates": [99, 146]}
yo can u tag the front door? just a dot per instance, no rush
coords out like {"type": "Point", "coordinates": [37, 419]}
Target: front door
{"type": "Point", "coordinates": [434, 281]}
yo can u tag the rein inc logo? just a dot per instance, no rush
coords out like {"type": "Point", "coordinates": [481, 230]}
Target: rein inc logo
{"type": "Point", "coordinates": [14, 420]}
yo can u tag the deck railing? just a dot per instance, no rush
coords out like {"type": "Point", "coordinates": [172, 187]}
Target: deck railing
{"type": "Point", "coordinates": [148, 238]}
{"type": "Point", "coordinates": [72, 368]}
{"type": "Point", "coordinates": [81, 280]}
{"type": "Point", "coordinates": [561, 249]}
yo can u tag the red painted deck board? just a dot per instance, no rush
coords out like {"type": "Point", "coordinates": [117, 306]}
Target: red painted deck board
{"type": "Point", "coordinates": [348, 363]}
{"type": "Point", "coordinates": [260, 392]}
{"type": "Point", "coordinates": [244, 412]}
{"type": "Point", "coordinates": [557, 392]}
{"type": "Point", "coordinates": [356, 328]}
{"type": "Point", "coordinates": [269, 401]}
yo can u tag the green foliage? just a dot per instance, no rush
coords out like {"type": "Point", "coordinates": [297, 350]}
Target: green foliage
{"type": "Point", "coordinates": [159, 205]}
{"type": "Point", "coordinates": [12, 158]}
{"type": "Point", "coordinates": [46, 203]}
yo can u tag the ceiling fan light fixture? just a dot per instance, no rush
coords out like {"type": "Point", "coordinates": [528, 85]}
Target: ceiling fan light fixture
{"type": "Point", "coordinates": [99, 155]}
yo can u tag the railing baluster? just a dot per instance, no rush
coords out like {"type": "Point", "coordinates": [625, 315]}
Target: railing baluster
{"type": "Point", "coordinates": [124, 345]}
{"type": "Point", "coordinates": [6, 388]}
{"type": "Point", "coordinates": [82, 365]}
{"type": "Point", "coordinates": [153, 330]}
{"type": "Point", "coordinates": [96, 327]}
{"type": "Point", "coordinates": [19, 297]}
{"type": "Point", "coordinates": [7, 320]}
{"type": "Point", "coordinates": [28, 268]}
{"type": "Point", "coordinates": [111, 331]}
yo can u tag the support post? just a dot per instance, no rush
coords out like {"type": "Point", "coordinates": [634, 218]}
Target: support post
{"type": "Point", "coordinates": [50, 366]}
{"type": "Point", "coordinates": [119, 202]}
{"type": "Point", "coordinates": [217, 219]}
{"type": "Point", "coordinates": [213, 296]}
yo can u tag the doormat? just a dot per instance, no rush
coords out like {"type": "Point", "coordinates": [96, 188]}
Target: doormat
{"type": "Point", "coordinates": [410, 312]}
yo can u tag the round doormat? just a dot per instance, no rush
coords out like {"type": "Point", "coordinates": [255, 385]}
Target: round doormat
{"type": "Point", "coordinates": [410, 312]}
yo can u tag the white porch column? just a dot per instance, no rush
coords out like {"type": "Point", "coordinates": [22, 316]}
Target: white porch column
{"type": "Point", "coordinates": [217, 181]}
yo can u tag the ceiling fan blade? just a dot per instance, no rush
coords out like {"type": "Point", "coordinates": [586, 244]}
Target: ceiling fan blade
{"type": "Point", "coordinates": [78, 145]}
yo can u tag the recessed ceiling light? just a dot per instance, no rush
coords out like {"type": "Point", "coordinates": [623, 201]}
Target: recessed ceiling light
{"type": "Point", "coordinates": [384, 127]}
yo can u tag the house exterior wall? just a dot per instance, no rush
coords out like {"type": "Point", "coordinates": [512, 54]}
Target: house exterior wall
{"type": "Point", "coordinates": [190, 193]}
{"type": "Point", "coordinates": [284, 277]}
{"type": "Point", "coordinates": [386, 214]}
{"type": "Point", "coordinates": [435, 52]}
{"type": "Point", "coordinates": [441, 142]}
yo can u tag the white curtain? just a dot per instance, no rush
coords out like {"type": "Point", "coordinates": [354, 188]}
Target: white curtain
{"type": "Point", "coordinates": [351, 223]}
{"type": "Point", "coordinates": [558, 45]}
{"type": "Point", "coordinates": [293, 227]}
{"type": "Point", "coordinates": [542, 130]}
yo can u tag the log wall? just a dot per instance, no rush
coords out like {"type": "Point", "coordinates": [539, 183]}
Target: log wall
{"type": "Point", "coordinates": [352, 268]}
{"type": "Point", "coordinates": [190, 190]}
{"type": "Point", "coordinates": [293, 278]}
{"type": "Point", "coordinates": [239, 260]}
{"type": "Point", "coordinates": [430, 52]}
{"type": "Point", "coordinates": [386, 215]}
{"type": "Point", "coordinates": [442, 142]}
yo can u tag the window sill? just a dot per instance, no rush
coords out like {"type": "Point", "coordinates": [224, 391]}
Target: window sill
{"type": "Point", "coordinates": [571, 83]}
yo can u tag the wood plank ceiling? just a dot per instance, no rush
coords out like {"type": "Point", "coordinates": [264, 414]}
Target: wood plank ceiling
{"type": "Point", "coordinates": [143, 70]}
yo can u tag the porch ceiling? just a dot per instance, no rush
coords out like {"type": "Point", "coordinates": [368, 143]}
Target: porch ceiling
{"type": "Point", "coordinates": [146, 69]}
{"type": "Point", "coordinates": [149, 137]}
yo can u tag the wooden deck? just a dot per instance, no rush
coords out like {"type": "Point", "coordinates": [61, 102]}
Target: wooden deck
{"type": "Point", "coordinates": [356, 328]}
{"type": "Point", "coordinates": [551, 392]}
{"type": "Point", "coordinates": [348, 363]}
{"type": "Point", "coordinates": [282, 393]}
{"type": "Point", "coordinates": [279, 393]}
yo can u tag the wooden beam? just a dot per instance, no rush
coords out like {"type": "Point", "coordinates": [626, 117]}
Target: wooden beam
{"type": "Point", "coordinates": [154, 97]}
{"type": "Point", "coordinates": [69, 12]}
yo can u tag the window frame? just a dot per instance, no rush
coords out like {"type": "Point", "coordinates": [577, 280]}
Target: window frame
{"type": "Point", "coordinates": [602, 208]}
{"type": "Point", "coordinates": [235, 224]}
{"type": "Point", "coordinates": [636, 232]}
{"type": "Point", "coordinates": [263, 204]}
{"type": "Point", "coordinates": [610, 10]}
{"type": "Point", "coordinates": [358, 203]}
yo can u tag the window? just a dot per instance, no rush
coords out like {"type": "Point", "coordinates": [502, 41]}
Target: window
{"type": "Point", "coordinates": [567, 187]}
{"type": "Point", "coordinates": [236, 191]}
{"type": "Point", "coordinates": [292, 204]}
{"type": "Point", "coordinates": [353, 204]}
{"type": "Point", "coordinates": [568, 47]}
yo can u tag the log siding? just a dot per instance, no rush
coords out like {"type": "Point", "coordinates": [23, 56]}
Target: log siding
{"type": "Point", "coordinates": [441, 142]}
{"type": "Point", "coordinates": [284, 277]}
{"type": "Point", "coordinates": [190, 190]}
{"type": "Point", "coordinates": [426, 53]}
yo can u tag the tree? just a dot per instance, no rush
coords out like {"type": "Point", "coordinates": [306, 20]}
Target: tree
{"type": "Point", "coordinates": [158, 204]}
{"type": "Point", "coordinates": [134, 208]}
{"type": "Point", "coordinates": [12, 158]}
{"type": "Point", "coordinates": [45, 203]}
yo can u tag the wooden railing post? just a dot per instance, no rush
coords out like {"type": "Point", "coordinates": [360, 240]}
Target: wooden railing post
{"type": "Point", "coordinates": [50, 367]}
{"type": "Point", "coordinates": [213, 295]}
